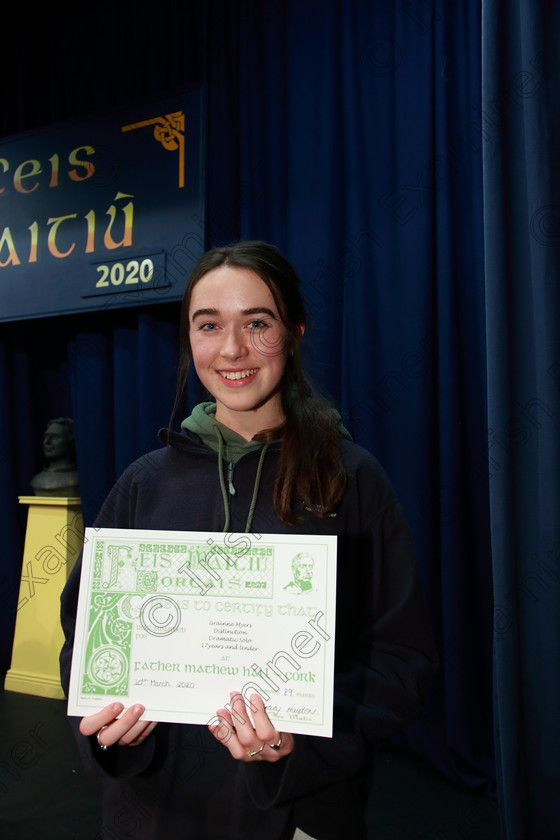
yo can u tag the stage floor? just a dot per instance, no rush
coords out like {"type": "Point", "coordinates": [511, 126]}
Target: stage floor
{"type": "Point", "coordinates": [53, 798]}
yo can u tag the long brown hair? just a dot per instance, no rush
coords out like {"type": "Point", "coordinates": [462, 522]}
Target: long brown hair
{"type": "Point", "coordinates": [311, 470]}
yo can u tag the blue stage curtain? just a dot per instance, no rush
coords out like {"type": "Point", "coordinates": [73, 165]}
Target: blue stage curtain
{"type": "Point", "coordinates": [350, 134]}
{"type": "Point", "coordinates": [521, 95]}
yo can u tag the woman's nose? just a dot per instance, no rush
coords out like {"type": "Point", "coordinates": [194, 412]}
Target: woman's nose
{"type": "Point", "coordinates": [233, 346]}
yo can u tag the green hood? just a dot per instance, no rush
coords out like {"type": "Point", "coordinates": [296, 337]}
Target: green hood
{"type": "Point", "coordinates": [230, 447]}
{"type": "Point", "coordinates": [203, 423]}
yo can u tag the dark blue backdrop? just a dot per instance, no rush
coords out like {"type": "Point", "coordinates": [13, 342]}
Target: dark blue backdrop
{"type": "Point", "coordinates": [352, 135]}
{"type": "Point", "coordinates": [522, 235]}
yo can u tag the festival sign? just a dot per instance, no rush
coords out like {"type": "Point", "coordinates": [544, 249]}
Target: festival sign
{"type": "Point", "coordinates": [103, 212]}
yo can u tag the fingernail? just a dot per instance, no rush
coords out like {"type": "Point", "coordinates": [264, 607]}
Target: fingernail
{"type": "Point", "coordinates": [138, 710]}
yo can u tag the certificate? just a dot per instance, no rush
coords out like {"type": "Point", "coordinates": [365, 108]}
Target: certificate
{"type": "Point", "coordinates": [176, 620]}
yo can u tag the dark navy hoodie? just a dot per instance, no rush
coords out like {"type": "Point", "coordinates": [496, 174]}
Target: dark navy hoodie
{"type": "Point", "coordinates": [181, 782]}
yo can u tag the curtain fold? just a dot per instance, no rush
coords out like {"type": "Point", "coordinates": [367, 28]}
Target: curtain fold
{"type": "Point", "coordinates": [521, 93]}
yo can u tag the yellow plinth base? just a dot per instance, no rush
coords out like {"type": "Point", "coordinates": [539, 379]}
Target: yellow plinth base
{"type": "Point", "coordinates": [53, 541]}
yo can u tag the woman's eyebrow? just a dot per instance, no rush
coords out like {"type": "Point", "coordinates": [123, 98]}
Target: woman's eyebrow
{"type": "Point", "coordinates": [208, 311]}
{"type": "Point", "coordinates": [259, 310]}
{"type": "Point", "coordinates": [255, 310]}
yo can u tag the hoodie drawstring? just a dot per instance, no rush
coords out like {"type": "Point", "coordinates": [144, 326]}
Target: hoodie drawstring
{"type": "Point", "coordinates": [256, 488]}
{"type": "Point", "coordinates": [227, 517]}
{"type": "Point", "coordinates": [222, 479]}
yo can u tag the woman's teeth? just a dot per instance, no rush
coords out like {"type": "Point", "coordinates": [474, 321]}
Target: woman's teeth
{"type": "Point", "coordinates": [237, 374]}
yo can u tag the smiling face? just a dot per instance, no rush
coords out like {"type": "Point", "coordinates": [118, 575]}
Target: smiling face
{"type": "Point", "coordinates": [238, 343]}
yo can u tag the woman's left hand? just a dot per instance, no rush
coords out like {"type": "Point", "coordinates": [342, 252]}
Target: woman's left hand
{"type": "Point", "coordinates": [247, 743]}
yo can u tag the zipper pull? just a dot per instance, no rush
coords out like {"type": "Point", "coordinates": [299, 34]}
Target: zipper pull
{"type": "Point", "coordinates": [231, 488]}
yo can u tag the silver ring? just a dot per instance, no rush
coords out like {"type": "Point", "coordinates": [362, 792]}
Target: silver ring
{"type": "Point", "coordinates": [256, 752]}
{"type": "Point", "coordinates": [278, 744]}
{"type": "Point", "coordinates": [103, 746]}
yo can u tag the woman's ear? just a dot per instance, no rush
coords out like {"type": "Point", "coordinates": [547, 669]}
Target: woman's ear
{"type": "Point", "coordinates": [300, 329]}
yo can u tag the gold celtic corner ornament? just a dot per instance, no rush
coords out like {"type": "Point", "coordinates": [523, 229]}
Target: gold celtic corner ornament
{"type": "Point", "coordinates": [169, 130]}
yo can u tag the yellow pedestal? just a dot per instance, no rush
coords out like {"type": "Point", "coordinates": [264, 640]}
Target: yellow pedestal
{"type": "Point", "coordinates": [53, 542]}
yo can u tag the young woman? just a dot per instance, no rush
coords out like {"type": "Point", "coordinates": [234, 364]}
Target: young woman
{"type": "Point", "coordinates": [266, 455]}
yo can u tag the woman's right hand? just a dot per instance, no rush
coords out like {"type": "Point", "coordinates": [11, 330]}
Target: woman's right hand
{"type": "Point", "coordinates": [127, 730]}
